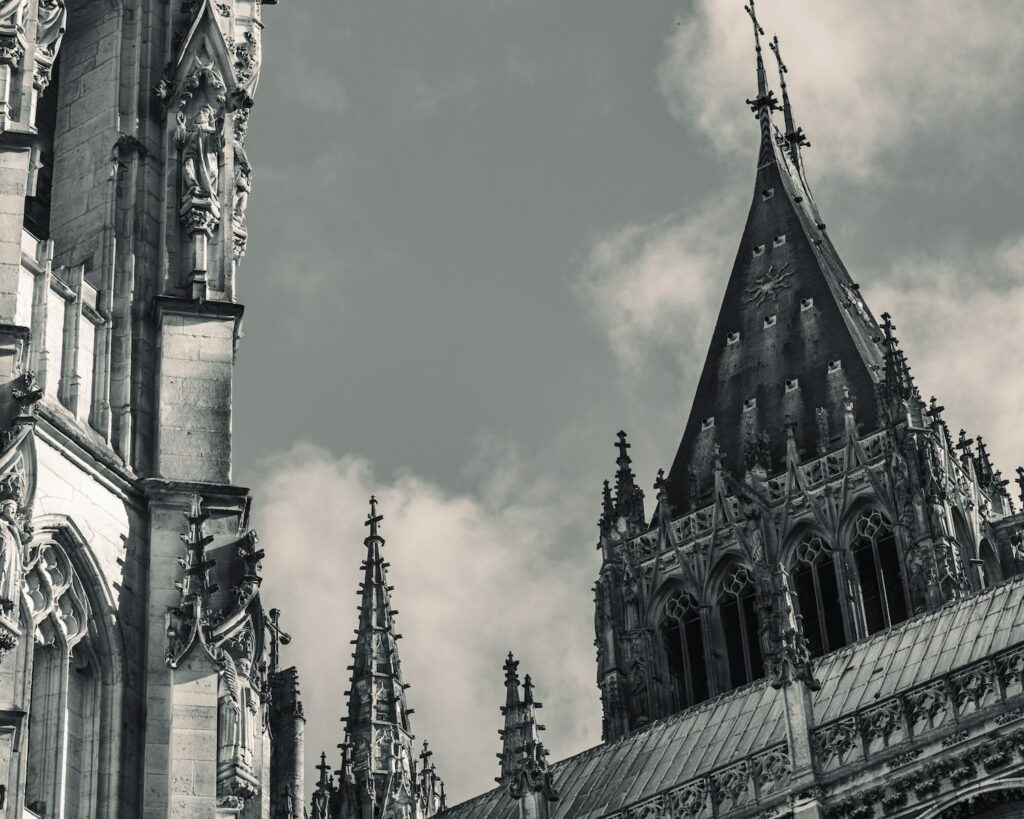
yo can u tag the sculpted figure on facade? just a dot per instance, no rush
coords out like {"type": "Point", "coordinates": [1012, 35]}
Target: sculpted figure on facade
{"type": "Point", "coordinates": [15, 534]}
{"type": "Point", "coordinates": [202, 146]}
{"type": "Point", "coordinates": [242, 184]}
{"type": "Point", "coordinates": [51, 24]}
{"type": "Point", "coordinates": [237, 720]}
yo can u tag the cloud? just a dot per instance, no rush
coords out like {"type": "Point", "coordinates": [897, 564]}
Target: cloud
{"type": "Point", "coordinates": [655, 290]}
{"type": "Point", "coordinates": [863, 78]}
{"type": "Point", "coordinates": [657, 287]}
{"type": "Point", "coordinates": [509, 566]}
{"type": "Point", "coordinates": [958, 319]}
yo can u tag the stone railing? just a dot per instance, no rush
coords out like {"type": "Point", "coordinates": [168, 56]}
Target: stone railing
{"type": "Point", "coordinates": [758, 780]}
{"type": "Point", "coordinates": [700, 523]}
{"type": "Point", "coordinates": [939, 703]}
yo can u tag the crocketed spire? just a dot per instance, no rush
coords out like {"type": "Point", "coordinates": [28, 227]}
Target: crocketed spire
{"type": "Point", "coordinates": [524, 768]}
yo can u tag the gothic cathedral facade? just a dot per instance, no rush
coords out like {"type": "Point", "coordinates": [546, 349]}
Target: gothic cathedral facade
{"type": "Point", "coordinates": [140, 672]}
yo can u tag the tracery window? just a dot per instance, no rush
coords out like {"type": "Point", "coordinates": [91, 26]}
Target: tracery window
{"type": "Point", "coordinates": [684, 646]}
{"type": "Point", "coordinates": [882, 583]}
{"type": "Point", "coordinates": [737, 607]}
{"type": "Point", "coordinates": [816, 587]}
{"type": "Point", "coordinates": [62, 753]}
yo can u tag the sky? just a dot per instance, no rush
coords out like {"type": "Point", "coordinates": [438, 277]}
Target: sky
{"type": "Point", "coordinates": [485, 235]}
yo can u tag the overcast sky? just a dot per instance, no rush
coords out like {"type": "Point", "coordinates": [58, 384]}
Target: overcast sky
{"type": "Point", "coordinates": [485, 235]}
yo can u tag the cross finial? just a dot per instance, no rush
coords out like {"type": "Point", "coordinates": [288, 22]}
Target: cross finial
{"type": "Point", "coordinates": [622, 446]}
{"type": "Point", "coordinates": [373, 518]}
{"type": "Point", "coordinates": [764, 99]}
{"type": "Point", "coordinates": [278, 637]}
{"type": "Point", "coordinates": [796, 137]}
{"type": "Point", "coordinates": [511, 670]}
{"type": "Point", "coordinates": [324, 768]}
{"type": "Point", "coordinates": [527, 689]}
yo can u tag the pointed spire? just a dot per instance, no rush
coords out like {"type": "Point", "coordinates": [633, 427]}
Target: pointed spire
{"type": "Point", "coordinates": [984, 464]}
{"type": "Point", "coordinates": [524, 767]}
{"type": "Point", "coordinates": [897, 371]}
{"type": "Point", "coordinates": [795, 137]}
{"type": "Point", "coordinates": [1020, 482]}
{"type": "Point", "coordinates": [377, 724]}
{"type": "Point", "coordinates": [629, 498]}
{"type": "Point", "coordinates": [324, 790]}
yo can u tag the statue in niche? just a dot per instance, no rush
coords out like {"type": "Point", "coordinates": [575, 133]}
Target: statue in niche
{"type": "Point", "coordinates": [201, 144]}
{"type": "Point", "coordinates": [13, 537]}
{"type": "Point", "coordinates": [237, 716]}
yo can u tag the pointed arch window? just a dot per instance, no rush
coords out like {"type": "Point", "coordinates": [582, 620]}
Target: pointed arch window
{"type": "Point", "coordinates": [682, 634]}
{"type": "Point", "coordinates": [990, 570]}
{"type": "Point", "coordinates": [737, 608]}
{"type": "Point", "coordinates": [816, 594]}
{"type": "Point", "coordinates": [882, 584]}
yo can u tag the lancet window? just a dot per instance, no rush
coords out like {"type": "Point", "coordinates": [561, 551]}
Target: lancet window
{"type": "Point", "coordinates": [989, 567]}
{"type": "Point", "coordinates": [737, 608]}
{"type": "Point", "coordinates": [62, 759]}
{"type": "Point", "coordinates": [816, 587]}
{"type": "Point", "coordinates": [877, 560]}
{"type": "Point", "coordinates": [681, 631]}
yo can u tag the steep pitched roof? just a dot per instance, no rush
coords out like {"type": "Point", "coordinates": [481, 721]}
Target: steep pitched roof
{"type": "Point", "coordinates": [792, 332]}
{"type": "Point", "coordinates": [716, 733]}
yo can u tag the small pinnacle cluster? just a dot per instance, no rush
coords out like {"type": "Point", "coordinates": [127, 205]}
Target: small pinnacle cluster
{"type": "Point", "coordinates": [379, 775]}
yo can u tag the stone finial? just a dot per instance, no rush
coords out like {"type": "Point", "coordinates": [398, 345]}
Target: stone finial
{"type": "Point", "coordinates": [524, 768]}
{"type": "Point", "coordinates": [629, 498]}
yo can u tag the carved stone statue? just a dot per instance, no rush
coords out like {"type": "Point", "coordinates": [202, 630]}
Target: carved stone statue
{"type": "Point", "coordinates": [50, 26]}
{"type": "Point", "coordinates": [12, 555]}
{"type": "Point", "coordinates": [243, 183]}
{"type": "Point", "coordinates": [201, 144]}
{"type": "Point", "coordinates": [229, 713]}
{"type": "Point", "coordinates": [237, 717]}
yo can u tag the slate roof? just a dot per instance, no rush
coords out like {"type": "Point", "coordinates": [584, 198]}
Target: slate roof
{"type": "Point", "coordinates": [835, 326]}
{"type": "Point", "coordinates": [698, 740]}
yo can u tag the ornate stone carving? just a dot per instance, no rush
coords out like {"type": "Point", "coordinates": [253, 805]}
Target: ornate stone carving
{"type": "Point", "coordinates": [12, 27]}
{"type": "Point", "coordinates": [1010, 668]}
{"type": "Point", "coordinates": [201, 145]}
{"type": "Point", "coordinates": [238, 721]}
{"type": "Point", "coordinates": [730, 787]}
{"type": "Point", "coordinates": [689, 801]}
{"type": "Point", "coordinates": [242, 184]}
{"type": "Point", "coordinates": [928, 704]}
{"type": "Point", "coordinates": [836, 742]}
{"type": "Point", "coordinates": [971, 687]}
{"type": "Point", "coordinates": [15, 533]}
{"type": "Point", "coordinates": [771, 771]}
{"type": "Point", "coordinates": [881, 722]}
{"type": "Point", "coordinates": [52, 18]}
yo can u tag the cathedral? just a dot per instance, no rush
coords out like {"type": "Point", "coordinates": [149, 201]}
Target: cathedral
{"type": "Point", "coordinates": [818, 616]}
{"type": "Point", "coordinates": [140, 671]}
{"type": "Point", "coordinates": [821, 615]}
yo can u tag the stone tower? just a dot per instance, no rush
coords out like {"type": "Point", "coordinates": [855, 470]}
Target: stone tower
{"type": "Point", "coordinates": [134, 679]}
{"type": "Point", "coordinates": [378, 777]}
{"type": "Point", "coordinates": [811, 469]}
